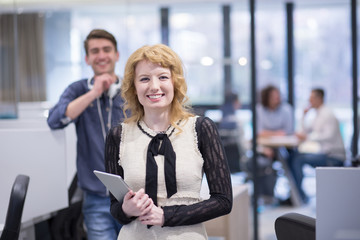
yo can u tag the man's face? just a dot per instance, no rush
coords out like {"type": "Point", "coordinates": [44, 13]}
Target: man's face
{"type": "Point", "coordinates": [315, 100]}
{"type": "Point", "coordinates": [101, 56]}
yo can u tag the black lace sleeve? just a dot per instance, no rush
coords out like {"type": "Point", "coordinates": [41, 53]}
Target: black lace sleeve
{"type": "Point", "coordinates": [218, 177]}
{"type": "Point", "coordinates": [112, 146]}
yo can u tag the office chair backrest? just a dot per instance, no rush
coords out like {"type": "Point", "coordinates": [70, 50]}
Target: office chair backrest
{"type": "Point", "coordinates": [15, 208]}
{"type": "Point", "coordinates": [295, 226]}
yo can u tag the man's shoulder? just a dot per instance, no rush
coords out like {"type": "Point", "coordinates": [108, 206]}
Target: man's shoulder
{"type": "Point", "coordinates": [78, 85]}
{"type": "Point", "coordinates": [326, 111]}
{"type": "Point", "coordinates": [81, 82]}
{"type": "Point", "coordinates": [287, 106]}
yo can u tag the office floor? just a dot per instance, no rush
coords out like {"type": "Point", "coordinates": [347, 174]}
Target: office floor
{"type": "Point", "coordinates": [270, 211]}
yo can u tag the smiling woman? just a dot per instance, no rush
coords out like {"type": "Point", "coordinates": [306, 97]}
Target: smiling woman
{"type": "Point", "coordinates": [154, 88]}
{"type": "Point", "coordinates": [145, 65]}
{"type": "Point", "coordinates": [162, 151]}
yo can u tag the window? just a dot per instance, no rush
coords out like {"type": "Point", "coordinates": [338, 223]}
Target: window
{"type": "Point", "coordinates": [240, 46]}
{"type": "Point", "coordinates": [323, 59]}
{"type": "Point", "coordinates": [133, 26]}
{"type": "Point", "coordinates": [196, 35]}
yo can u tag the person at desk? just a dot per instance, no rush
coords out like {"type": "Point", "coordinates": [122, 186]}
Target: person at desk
{"type": "Point", "coordinates": [232, 132]}
{"type": "Point", "coordinates": [163, 148]}
{"type": "Point", "coordinates": [274, 118]}
{"type": "Point", "coordinates": [322, 143]}
{"type": "Point", "coordinates": [94, 105]}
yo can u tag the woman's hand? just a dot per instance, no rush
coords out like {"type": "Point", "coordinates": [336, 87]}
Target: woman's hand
{"type": "Point", "coordinates": [137, 203]}
{"type": "Point", "coordinates": [154, 217]}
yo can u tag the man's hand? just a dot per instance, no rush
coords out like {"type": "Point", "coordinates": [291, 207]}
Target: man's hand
{"type": "Point", "coordinates": [102, 83]}
{"type": "Point", "coordinates": [301, 136]}
{"type": "Point", "coordinates": [306, 110]}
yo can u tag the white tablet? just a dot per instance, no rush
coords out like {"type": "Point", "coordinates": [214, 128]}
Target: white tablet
{"type": "Point", "coordinates": [114, 183]}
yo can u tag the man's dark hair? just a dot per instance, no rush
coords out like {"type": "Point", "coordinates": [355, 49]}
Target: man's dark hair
{"type": "Point", "coordinates": [231, 97]}
{"type": "Point", "coordinates": [319, 92]}
{"type": "Point", "coordinates": [265, 95]}
{"type": "Point", "coordinates": [98, 34]}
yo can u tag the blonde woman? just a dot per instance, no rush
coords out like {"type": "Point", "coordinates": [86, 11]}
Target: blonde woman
{"type": "Point", "coordinates": [162, 151]}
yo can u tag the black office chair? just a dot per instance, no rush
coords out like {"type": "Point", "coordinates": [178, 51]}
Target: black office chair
{"type": "Point", "coordinates": [295, 226]}
{"type": "Point", "coordinates": [15, 208]}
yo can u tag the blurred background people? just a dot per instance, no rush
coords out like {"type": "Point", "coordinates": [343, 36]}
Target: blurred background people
{"type": "Point", "coordinates": [274, 118]}
{"type": "Point", "coordinates": [322, 141]}
{"type": "Point", "coordinates": [232, 132]}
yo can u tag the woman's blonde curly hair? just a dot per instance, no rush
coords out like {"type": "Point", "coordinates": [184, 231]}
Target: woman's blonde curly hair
{"type": "Point", "coordinates": [167, 58]}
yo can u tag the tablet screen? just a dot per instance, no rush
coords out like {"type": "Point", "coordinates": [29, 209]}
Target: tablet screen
{"type": "Point", "coordinates": [114, 183]}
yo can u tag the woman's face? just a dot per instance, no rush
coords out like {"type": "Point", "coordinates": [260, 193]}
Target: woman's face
{"type": "Point", "coordinates": [154, 86]}
{"type": "Point", "coordinates": [274, 99]}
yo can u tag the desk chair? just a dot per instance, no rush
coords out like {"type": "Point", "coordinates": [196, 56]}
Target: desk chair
{"type": "Point", "coordinates": [295, 226]}
{"type": "Point", "coordinates": [15, 208]}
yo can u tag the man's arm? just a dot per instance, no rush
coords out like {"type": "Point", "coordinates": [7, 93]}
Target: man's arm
{"type": "Point", "coordinates": [101, 84]}
{"type": "Point", "coordinates": [78, 105]}
{"type": "Point", "coordinates": [57, 118]}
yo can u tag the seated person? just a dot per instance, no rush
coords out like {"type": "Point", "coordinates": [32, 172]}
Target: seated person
{"type": "Point", "coordinates": [274, 118]}
{"type": "Point", "coordinates": [231, 132]}
{"type": "Point", "coordinates": [323, 144]}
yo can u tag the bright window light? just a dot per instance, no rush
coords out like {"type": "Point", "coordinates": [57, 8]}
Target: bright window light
{"type": "Point", "coordinates": [266, 64]}
{"type": "Point", "coordinates": [242, 61]}
{"type": "Point", "coordinates": [207, 61]}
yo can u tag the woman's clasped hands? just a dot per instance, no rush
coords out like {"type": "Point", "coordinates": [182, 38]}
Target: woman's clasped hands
{"type": "Point", "coordinates": [139, 204]}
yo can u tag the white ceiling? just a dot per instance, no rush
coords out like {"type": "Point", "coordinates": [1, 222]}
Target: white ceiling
{"type": "Point", "coordinates": [75, 2]}
{"type": "Point", "coordinates": [43, 4]}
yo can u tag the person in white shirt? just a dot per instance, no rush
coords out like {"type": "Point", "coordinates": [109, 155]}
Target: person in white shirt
{"type": "Point", "coordinates": [322, 141]}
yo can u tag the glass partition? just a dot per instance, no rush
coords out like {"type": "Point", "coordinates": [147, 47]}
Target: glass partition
{"type": "Point", "coordinates": [322, 36]}
{"type": "Point", "coordinates": [196, 35]}
{"type": "Point", "coordinates": [132, 25]}
{"type": "Point", "coordinates": [271, 47]}
{"type": "Point", "coordinates": [240, 45]}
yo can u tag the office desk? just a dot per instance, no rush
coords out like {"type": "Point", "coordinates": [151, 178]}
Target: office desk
{"type": "Point", "coordinates": [28, 146]}
{"type": "Point", "coordinates": [42, 155]}
{"type": "Point", "coordinates": [282, 143]}
{"type": "Point", "coordinates": [234, 225]}
{"type": "Point", "coordinates": [279, 141]}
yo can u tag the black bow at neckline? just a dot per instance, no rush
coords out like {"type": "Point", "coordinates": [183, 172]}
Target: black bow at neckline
{"type": "Point", "coordinates": [160, 144]}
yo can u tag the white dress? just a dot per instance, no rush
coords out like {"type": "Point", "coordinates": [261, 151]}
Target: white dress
{"type": "Point", "coordinates": [189, 173]}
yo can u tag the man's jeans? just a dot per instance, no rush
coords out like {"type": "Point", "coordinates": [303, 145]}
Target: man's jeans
{"type": "Point", "coordinates": [100, 225]}
{"type": "Point", "coordinates": [297, 162]}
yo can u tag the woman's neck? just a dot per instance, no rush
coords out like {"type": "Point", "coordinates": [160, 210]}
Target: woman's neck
{"type": "Point", "coordinates": [157, 122]}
